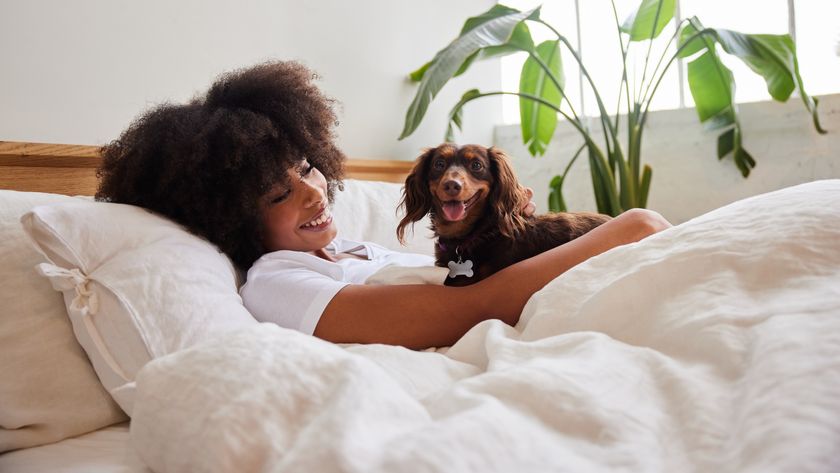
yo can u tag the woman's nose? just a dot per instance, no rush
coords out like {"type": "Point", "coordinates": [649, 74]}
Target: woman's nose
{"type": "Point", "coordinates": [314, 193]}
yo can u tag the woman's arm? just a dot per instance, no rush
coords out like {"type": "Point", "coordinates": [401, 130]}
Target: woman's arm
{"type": "Point", "coordinates": [422, 316]}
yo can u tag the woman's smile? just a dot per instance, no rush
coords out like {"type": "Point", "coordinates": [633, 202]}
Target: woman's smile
{"type": "Point", "coordinates": [320, 223]}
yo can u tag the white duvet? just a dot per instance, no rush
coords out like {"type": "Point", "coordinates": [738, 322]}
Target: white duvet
{"type": "Point", "coordinates": [713, 346]}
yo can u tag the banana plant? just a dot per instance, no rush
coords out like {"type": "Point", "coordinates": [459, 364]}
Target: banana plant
{"type": "Point", "coordinates": [620, 180]}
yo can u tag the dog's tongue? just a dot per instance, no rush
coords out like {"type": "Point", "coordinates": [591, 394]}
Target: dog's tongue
{"type": "Point", "coordinates": [454, 211]}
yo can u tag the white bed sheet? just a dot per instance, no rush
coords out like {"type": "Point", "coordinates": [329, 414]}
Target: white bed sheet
{"type": "Point", "coordinates": [711, 347]}
{"type": "Point", "coordinates": [105, 450]}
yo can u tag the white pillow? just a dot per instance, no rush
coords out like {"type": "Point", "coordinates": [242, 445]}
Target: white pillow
{"type": "Point", "coordinates": [48, 390]}
{"type": "Point", "coordinates": [367, 211]}
{"type": "Point", "coordinates": [136, 286]}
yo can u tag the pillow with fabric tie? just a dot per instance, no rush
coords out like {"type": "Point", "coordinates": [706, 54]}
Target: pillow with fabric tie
{"type": "Point", "coordinates": [136, 286]}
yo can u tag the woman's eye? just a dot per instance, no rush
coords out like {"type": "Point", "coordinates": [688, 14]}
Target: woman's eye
{"type": "Point", "coordinates": [439, 165]}
{"type": "Point", "coordinates": [476, 166]}
{"type": "Point", "coordinates": [280, 198]}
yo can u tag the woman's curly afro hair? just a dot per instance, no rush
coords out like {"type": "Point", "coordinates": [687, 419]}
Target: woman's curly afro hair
{"type": "Point", "coordinates": [206, 164]}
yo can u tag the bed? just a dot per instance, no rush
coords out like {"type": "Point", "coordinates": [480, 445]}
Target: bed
{"type": "Point", "coordinates": [712, 346]}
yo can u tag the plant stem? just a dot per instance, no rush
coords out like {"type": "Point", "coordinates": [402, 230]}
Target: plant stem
{"type": "Point", "coordinates": [578, 126]}
{"type": "Point", "coordinates": [605, 119]}
{"type": "Point", "coordinates": [572, 161]}
{"type": "Point", "coordinates": [623, 82]}
{"type": "Point", "coordinates": [659, 63]}
{"type": "Point", "coordinates": [650, 46]}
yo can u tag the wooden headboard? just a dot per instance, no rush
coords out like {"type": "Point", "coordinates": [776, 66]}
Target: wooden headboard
{"type": "Point", "coordinates": [71, 169]}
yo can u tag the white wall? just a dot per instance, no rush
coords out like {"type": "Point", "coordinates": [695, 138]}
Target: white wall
{"type": "Point", "coordinates": [78, 72]}
{"type": "Point", "coordinates": [688, 179]}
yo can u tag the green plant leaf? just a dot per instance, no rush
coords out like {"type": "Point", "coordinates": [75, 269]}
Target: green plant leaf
{"type": "Point", "coordinates": [556, 203]}
{"type": "Point", "coordinates": [764, 55]}
{"type": "Point", "coordinates": [644, 186]}
{"type": "Point", "coordinates": [494, 12]}
{"type": "Point", "coordinates": [726, 143]}
{"type": "Point", "coordinates": [712, 87]}
{"type": "Point", "coordinates": [447, 62]}
{"type": "Point", "coordinates": [520, 40]}
{"type": "Point", "coordinates": [697, 44]}
{"type": "Point", "coordinates": [603, 182]}
{"type": "Point", "coordinates": [417, 75]}
{"type": "Point", "coordinates": [627, 192]}
{"type": "Point", "coordinates": [538, 122]}
{"type": "Point", "coordinates": [640, 24]}
{"type": "Point", "coordinates": [601, 198]}
{"type": "Point", "coordinates": [744, 161]}
{"type": "Point", "coordinates": [725, 119]}
{"type": "Point", "coordinates": [774, 58]}
{"type": "Point", "coordinates": [457, 113]}
{"type": "Point", "coordinates": [729, 142]}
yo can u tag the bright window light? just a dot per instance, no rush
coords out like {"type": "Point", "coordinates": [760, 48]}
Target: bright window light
{"type": "Point", "coordinates": [817, 35]}
{"type": "Point", "coordinates": [746, 16]}
{"type": "Point", "coordinates": [818, 45]}
{"type": "Point", "coordinates": [561, 15]}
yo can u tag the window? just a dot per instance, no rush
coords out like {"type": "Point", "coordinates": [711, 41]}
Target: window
{"type": "Point", "coordinates": [590, 27]}
{"type": "Point", "coordinates": [818, 45]}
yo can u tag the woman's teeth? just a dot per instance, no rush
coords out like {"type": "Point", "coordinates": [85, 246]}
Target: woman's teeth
{"type": "Point", "coordinates": [318, 221]}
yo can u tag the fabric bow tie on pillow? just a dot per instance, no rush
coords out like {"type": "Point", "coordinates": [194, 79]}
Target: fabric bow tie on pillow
{"type": "Point", "coordinates": [86, 301]}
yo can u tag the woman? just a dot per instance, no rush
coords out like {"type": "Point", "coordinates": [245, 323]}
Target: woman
{"type": "Point", "coordinates": [252, 167]}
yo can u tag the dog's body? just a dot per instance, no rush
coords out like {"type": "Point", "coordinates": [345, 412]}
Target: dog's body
{"type": "Point", "coordinates": [476, 207]}
{"type": "Point", "coordinates": [490, 251]}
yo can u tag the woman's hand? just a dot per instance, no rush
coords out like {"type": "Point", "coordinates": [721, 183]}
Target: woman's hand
{"type": "Point", "coordinates": [530, 207]}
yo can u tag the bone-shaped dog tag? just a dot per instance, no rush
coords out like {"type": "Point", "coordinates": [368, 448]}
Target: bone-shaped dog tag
{"type": "Point", "coordinates": [460, 268]}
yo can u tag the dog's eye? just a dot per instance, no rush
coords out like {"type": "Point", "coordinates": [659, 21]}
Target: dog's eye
{"type": "Point", "coordinates": [476, 165]}
{"type": "Point", "coordinates": [439, 165]}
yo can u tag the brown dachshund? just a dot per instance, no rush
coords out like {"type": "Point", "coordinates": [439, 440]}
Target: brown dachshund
{"type": "Point", "coordinates": [475, 204]}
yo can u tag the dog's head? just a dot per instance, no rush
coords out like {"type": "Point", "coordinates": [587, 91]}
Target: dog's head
{"type": "Point", "coordinates": [460, 187]}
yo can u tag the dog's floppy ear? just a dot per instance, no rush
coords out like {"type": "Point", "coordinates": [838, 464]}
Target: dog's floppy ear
{"type": "Point", "coordinates": [416, 199]}
{"type": "Point", "coordinates": [508, 197]}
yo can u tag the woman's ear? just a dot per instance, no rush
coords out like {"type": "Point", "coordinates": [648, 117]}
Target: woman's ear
{"type": "Point", "coordinates": [508, 197]}
{"type": "Point", "coordinates": [416, 199]}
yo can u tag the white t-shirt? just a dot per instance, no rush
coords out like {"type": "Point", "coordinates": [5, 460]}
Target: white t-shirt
{"type": "Point", "coordinates": [292, 288]}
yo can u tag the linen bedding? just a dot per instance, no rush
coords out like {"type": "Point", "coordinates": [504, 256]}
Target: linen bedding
{"type": "Point", "coordinates": [712, 346]}
{"type": "Point", "coordinates": [107, 450]}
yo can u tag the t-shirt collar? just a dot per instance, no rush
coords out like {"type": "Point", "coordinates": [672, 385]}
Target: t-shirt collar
{"type": "Point", "coordinates": [357, 248]}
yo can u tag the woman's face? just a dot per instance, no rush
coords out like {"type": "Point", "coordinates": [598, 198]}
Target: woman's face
{"type": "Point", "coordinates": [297, 216]}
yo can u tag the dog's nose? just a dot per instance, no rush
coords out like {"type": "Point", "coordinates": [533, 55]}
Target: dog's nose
{"type": "Point", "coordinates": [452, 187]}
